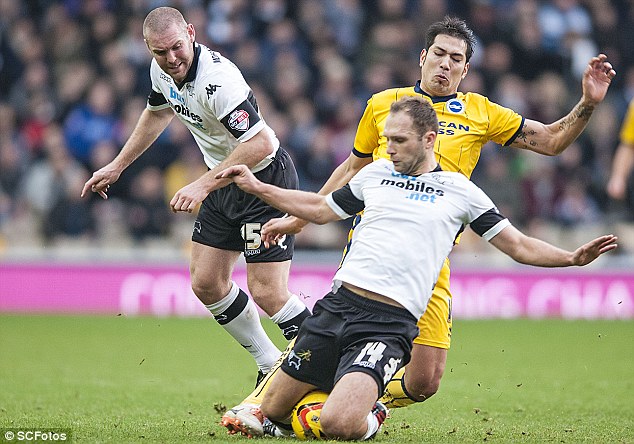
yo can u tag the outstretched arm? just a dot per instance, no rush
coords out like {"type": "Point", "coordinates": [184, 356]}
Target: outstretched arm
{"type": "Point", "coordinates": [309, 206]}
{"type": "Point", "coordinates": [532, 251]}
{"type": "Point", "coordinates": [339, 177]}
{"type": "Point", "coordinates": [554, 138]}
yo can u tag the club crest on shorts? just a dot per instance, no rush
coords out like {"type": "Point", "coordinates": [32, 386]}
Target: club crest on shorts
{"type": "Point", "coordinates": [295, 359]}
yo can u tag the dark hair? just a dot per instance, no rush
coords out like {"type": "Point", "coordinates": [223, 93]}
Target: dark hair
{"type": "Point", "coordinates": [453, 27]}
{"type": "Point", "coordinates": [421, 112]}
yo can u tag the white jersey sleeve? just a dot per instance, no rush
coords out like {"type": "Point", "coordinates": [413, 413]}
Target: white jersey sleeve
{"type": "Point", "coordinates": [230, 99]}
{"type": "Point", "coordinates": [348, 200]}
{"type": "Point", "coordinates": [484, 217]}
{"type": "Point", "coordinates": [215, 103]}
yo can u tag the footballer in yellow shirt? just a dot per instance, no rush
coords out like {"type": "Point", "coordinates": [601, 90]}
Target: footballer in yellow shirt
{"type": "Point", "coordinates": [466, 122]}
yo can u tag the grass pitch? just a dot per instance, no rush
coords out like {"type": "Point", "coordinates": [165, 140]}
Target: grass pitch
{"type": "Point", "coordinates": [147, 380]}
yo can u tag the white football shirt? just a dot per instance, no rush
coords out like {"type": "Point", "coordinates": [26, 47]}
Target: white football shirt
{"type": "Point", "coordinates": [408, 228]}
{"type": "Point", "coordinates": [214, 102]}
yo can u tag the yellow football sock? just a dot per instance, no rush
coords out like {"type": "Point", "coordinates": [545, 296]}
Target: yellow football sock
{"type": "Point", "coordinates": [395, 394]}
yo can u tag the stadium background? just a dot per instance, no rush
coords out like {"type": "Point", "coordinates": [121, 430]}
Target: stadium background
{"type": "Point", "coordinates": [74, 78]}
{"type": "Point", "coordinates": [81, 65]}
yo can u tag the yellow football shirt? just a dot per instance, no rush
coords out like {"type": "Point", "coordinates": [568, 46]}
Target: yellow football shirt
{"type": "Point", "coordinates": [466, 123]}
{"type": "Point", "coordinates": [627, 129]}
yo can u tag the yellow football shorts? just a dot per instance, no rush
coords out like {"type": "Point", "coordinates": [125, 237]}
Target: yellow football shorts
{"type": "Point", "coordinates": [435, 324]}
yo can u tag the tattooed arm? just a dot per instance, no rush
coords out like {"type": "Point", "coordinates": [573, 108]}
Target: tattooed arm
{"type": "Point", "coordinates": [553, 138]}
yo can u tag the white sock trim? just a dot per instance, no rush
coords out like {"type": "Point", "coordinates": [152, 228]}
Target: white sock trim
{"type": "Point", "coordinates": [219, 307]}
{"type": "Point", "coordinates": [292, 308]}
{"type": "Point", "coordinates": [247, 330]}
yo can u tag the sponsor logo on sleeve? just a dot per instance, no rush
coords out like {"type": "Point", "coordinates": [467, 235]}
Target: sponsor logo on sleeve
{"type": "Point", "coordinates": [239, 120]}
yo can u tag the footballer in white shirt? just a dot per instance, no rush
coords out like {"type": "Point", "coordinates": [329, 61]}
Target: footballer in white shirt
{"type": "Point", "coordinates": [361, 333]}
{"type": "Point", "coordinates": [210, 96]}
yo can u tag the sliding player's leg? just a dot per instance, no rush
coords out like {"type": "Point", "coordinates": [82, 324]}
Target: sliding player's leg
{"type": "Point", "coordinates": [246, 412]}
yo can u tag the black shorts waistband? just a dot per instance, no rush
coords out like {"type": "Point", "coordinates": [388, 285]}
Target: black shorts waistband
{"type": "Point", "coordinates": [374, 306]}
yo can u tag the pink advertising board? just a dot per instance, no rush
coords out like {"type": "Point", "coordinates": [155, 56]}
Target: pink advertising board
{"type": "Point", "coordinates": [165, 291]}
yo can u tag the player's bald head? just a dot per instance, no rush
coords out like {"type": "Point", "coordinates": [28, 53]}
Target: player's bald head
{"type": "Point", "coordinates": [162, 18]}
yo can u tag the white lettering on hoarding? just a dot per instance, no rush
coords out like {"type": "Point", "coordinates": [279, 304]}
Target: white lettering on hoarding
{"type": "Point", "coordinates": [168, 294]}
{"type": "Point", "coordinates": [486, 298]}
{"type": "Point", "coordinates": [580, 299]}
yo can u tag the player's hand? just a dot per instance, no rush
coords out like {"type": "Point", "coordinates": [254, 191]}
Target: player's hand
{"type": "Point", "coordinates": [275, 229]}
{"type": "Point", "coordinates": [270, 234]}
{"type": "Point", "coordinates": [593, 249]}
{"type": "Point", "coordinates": [241, 175]}
{"type": "Point", "coordinates": [187, 198]}
{"type": "Point", "coordinates": [287, 224]}
{"type": "Point", "coordinates": [597, 78]}
{"type": "Point", "coordinates": [100, 181]}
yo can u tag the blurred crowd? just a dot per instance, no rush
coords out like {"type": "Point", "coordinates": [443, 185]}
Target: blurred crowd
{"type": "Point", "coordinates": [74, 79]}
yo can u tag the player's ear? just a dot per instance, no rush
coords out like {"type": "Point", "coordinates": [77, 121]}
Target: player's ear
{"type": "Point", "coordinates": [430, 138]}
{"type": "Point", "coordinates": [191, 33]}
{"type": "Point", "coordinates": [465, 70]}
{"type": "Point", "coordinates": [423, 54]}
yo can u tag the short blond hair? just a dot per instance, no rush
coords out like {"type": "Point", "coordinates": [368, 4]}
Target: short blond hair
{"type": "Point", "coordinates": [161, 18]}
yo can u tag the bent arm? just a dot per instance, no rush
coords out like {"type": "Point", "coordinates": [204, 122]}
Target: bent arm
{"type": "Point", "coordinates": [249, 153]}
{"type": "Point", "coordinates": [532, 251]}
{"type": "Point", "coordinates": [149, 126]}
{"type": "Point", "coordinates": [339, 177]}
{"type": "Point", "coordinates": [344, 172]}
{"type": "Point", "coordinates": [554, 138]}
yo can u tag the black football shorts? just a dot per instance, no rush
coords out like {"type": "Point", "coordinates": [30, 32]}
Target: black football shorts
{"type": "Point", "coordinates": [350, 333]}
{"type": "Point", "coordinates": [230, 219]}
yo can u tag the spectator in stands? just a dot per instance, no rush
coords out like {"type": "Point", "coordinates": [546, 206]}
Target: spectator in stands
{"type": "Point", "coordinates": [91, 121]}
{"type": "Point", "coordinates": [78, 42]}
{"type": "Point", "coordinates": [48, 184]}
{"type": "Point", "coordinates": [148, 216]}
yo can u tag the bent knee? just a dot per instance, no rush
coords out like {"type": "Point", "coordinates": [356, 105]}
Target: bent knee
{"type": "Point", "coordinates": [209, 289]}
{"type": "Point", "coordinates": [338, 426]}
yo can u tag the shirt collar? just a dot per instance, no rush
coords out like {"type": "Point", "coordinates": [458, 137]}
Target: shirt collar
{"type": "Point", "coordinates": [437, 99]}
